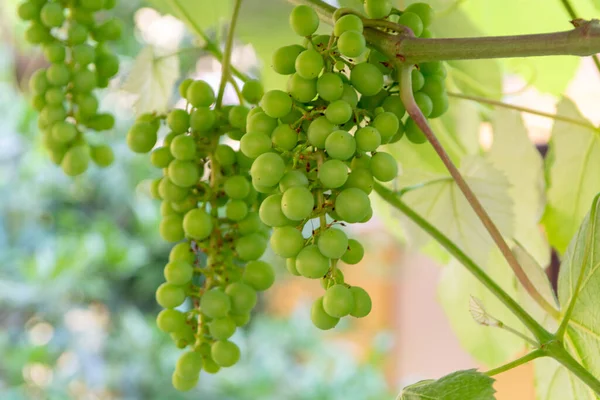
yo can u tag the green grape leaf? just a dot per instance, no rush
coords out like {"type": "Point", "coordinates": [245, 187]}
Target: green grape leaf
{"type": "Point", "coordinates": [151, 80]}
{"type": "Point", "coordinates": [514, 154]}
{"type": "Point", "coordinates": [459, 385]}
{"type": "Point", "coordinates": [573, 176]}
{"type": "Point", "coordinates": [195, 13]}
{"type": "Point", "coordinates": [555, 382]}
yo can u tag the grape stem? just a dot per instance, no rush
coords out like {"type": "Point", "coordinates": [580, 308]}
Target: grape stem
{"type": "Point", "coordinates": [519, 361]}
{"type": "Point", "coordinates": [571, 11]}
{"type": "Point", "coordinates": [226, 63]}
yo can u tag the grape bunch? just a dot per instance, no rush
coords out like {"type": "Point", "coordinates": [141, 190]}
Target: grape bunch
{"type": "Point", "coordinates": [210, 209]}
{"type": "Point", "coordinates": [76, 46]}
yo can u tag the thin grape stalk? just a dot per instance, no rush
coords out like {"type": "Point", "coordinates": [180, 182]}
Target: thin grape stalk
{"type": "Point", "coordinates": [210, 208]}
{"type": "Point", "coordinates": [76, 46]}
{"type": "Point", "coordinates": [317, 146]}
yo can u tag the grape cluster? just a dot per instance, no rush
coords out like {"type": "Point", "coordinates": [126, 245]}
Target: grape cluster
{"type": "Point", "coordinates": [211, 209]}
{"type": "Point", "coordinates": [76, 46]}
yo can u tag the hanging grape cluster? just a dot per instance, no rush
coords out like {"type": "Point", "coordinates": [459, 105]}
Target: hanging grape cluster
{"type": "Point", "coordinates": [76, 46]}
{"type": "Point", "coordinates": [317, 147]}
{"type": "Point", "coordinates": [210, 207]}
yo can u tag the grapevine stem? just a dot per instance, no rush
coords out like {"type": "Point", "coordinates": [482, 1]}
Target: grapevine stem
{"type": "Point", "coordinates": [226, 63]}
{"type": "Point", "coordinates": [519, 361]}
{"type": "Point", "coordinates": [557, 117]}
{"type": "Point", "coordinates": [415, 113]}
{"type": "Point", "coordinates": [571, 11]}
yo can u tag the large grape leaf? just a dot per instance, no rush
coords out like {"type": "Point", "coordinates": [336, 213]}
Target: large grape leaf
{"type": "Point", "coordinates": [555, 382]}
{"type": "Point", "coordinates": [195, 13]}
{"type": "Point", "coordinates": [573, 176]}
{"type": "Point", "coordinates": [513, 153]}
{"type": "Point", "coordinates": [459, 385]}
{"type": "Point", "coordinates": [151, 80]}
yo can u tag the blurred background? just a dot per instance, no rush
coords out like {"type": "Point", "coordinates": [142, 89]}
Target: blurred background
{"type": "Point", "coordinates": [80, 258]}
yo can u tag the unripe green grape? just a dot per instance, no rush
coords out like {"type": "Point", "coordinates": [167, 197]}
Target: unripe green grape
{"type": "Point", "coordinates": [92, 5]}
{"type": "Point", "coordinates": [366, 78]}
{"type": "Point", "coordinates": [161, 157]}
{"type": "Point", "coordinates": [76, 34]}
{"type": "Point", "coordinates": [302, 90]}
{"type": "Point", "coordinates": [225, 155]}
{"type": "Point", "coordinates": [340, 145]}
{"type": "Point", "coordinates": [58, 74]}
{"type": "Point", "coordinates": [380, 61]}
{"type": "Point", "coordinates": [225, 353]}
{"type": "Point", "coordinates": [183, 173]}
{"type": "Point", "coordinates": [440, 105]}
{"type": "Point", "coordinates": [330, 86]}
{"type": "Point", "coordinates": [424, 102]}
{"type": "Point", "coordinates": [83, 16]}
{"type": "Point", "coordinates": [384, 167]}
{"type": "Point", "coordinates": [423, 10]}
{"type": "Point", "coordinates": [53, 114]}
{"type": "Point", "coordinates": [360, 178]}
{"type": "Point", "coordinates": [417, 80]}
{"type": "Point", "coordinates": [107, 66]}
{"type": "Point", "coordinates": [338, 112]}
{"type": "Point", "coordinates": [362, 302]}
{"type": "Point", "coordinates": [200, 94]}
{"type": "Point", "coordinates": [412, 21]}
{"type": "Point", "coordinates": [432, 68]}
{"type": "Point", "coordinates": [333, 243]}
{"type": "Point", "coordinates": [142, 137]}
{"type": "Point", "coordinates": [291, 179]}
{"type": "Point", "coordinates": [290, 265]}
{"type": "Point", "coordinates": [261, 122]}
{"type": "Point", "coordinates": [101, 122]}
{"type": "Point", "coordinates": [236, 210]}
{"type": "Point", "coordinates": [84, 81]}
{"type": "Point", "coordinates": [276, 103]}
{"type": "Point", "coordinates": [170, 191]}
{"type": "Point", "coordinates": [304, 20]}
{"type": "Point", "coordinates": [284, 137]}
{"type": "Point", "coordinates": [318, 42]}
{"type": "Point", "coordinates": [434, 86]}
{"type": "Point", "coordinates": [76, 160]}
{"type": "Point", "coordinates": [252, 91]}
{"type": "Point", "coordinates": [238, 116]}
{"type": "Point", "coordinates": [394, 105]}
{"type": "Point", "coordinates": [237, 187]}
{"type": "Point", "coordinates": [349, 22]}
{"type": "Point", "coordinates": [320, 318]}
{"type": "Point", "coordinates": [352, 44]}
{"type": "Point", "coordinates": [215, 303]}
{"type": "Point", "coordinates": [189, 365]}
{"type": "Point", "coordinates": [83, 54]}
{"type": "Point", "coordinates": [210, 366]}
{"type": "Point", "coordinates": [55, 96]}
{"type": "Point", "coordinates": [387, 125]}
{"type": "Point", "coordinates": [373, 102]}
{"type": "Point", "coordinates": [349, 96]}
{"type": "Point", "coordinates": [108, 30]}
{"type": "Point", "coordinates": [259, 275]}
{"type": "Point", "coordinates": [222, 328]}
{"type": "Point", "coordinates": [166, 209]}
{"type": "Point", "coordinates": [287, 241]}
{"type": "Point", "coordinates": [333, 174]}
{"type": "Point", "coordinates": [338, 301]}
{"type": "Point", "coordinates": [184, 85]}
{"type": "Point", "coordinates": [377, 9]}
{"type": "Point", "coordinates": [102, 155]}
{"type": "Point", "coordinates": [297, 203]}
{"type": "Point", "coordinates": [250, 247]}
{"type": "Point", "coordinates": [38, 102]}
{"type": "Point", "coordinates": [28, 11]}
{"type": "Point", "coordinates": [197, 224]}
{"type": "Point", "coordinates": [414, 133]}
{"type": "Point", "coordinates": [352, 205]}
{"type": "Point", "coordinates": [154, 192]}
{"type": "Point", "coordinates": [55, 52]}
{"type": "Point", "coordinates": [182, 252]}
{"type": "Point", "coordinates": [235, 134]}
{"type": "Point", "coordinates": [179, 121]}
{"type": "Point", "coordinates": [171, 229]}
{"type": "Point", "coordinates": [355, 252]}
{"type": "Point", "coordinates": [52, 15]}
{"type": "Point", "coordinates": [268, 169]}
{"type": "Point", "coordinates": [250, 224]}
{"type": "Point", "coordinates": [367, 139]}
{"type": "Point", "coordinates": [284, 59]}
{"type": "Point", "coordinates": [170, 320]}
{"type": "Point", "coordinates": [183, 147]}
{"type": "Point", "coordinates": [109, 4]}
{"type": "Point", "coordinates": [178, 272]}
{"type": "Point", "coordinates": [253, 144]}
{"type": "Point", "coordinates": [243, 297]}
{"type": "Point", "coordinates": [185, 205]}
{"type": "Point", "coordinates": [310, 263]}
{"type": "Point", "coordinates": [170, 296]}
{"type": "Point", "coordinates": [271, 213]}
{"type": "Point", "coordinates": [309, 64]}
{"type": "Point", "coordinates": [37, 34]}
{"type": "Point", "coordinates": [182, 384]}
{"type": "Point", "coordinates": [398, 134]}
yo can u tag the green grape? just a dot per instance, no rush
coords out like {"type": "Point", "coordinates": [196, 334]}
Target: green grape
{"type": "Point", "coordinates": [28, 11]}
{"type": "Point", "coordinates": [352, 205]}
{"type": "Point", "coordinates": [284, 59]}
{"type": "Point", "coordinates": [309, 64]}
{"type": "Point", "coordinates": [37, 34]}
{"type": "Point", "coordinates": [225, 353]}
{"type": "Point", "coordinates": [297, 203]}
{"type": "Point", "coordinates": [259, 275]}
{"type": "Point", "coordinates": [434, 86]}
{"type": "Point", "coordinates": [304, 20]}
{"type": "Point", "coordinates": [291, 179]}
{"type": "Point", "coordinates": [261, 123]}
{"type": "Point", "coordinates": [290, 265]}
{"type": "Point", "coordinates": [424, 102]}
{"type": "Point", "coordinates": [183, 87]}
{"type": "Point", "coordinates": [243, 297]}
{"type": "Point", "coordinates": [268, 169]}
{"type": "Point", "coordinates": [319, 130]}
{"type": "Point", "coordinates": [154, 192]}
{"type": "Point", "coordinates": [320, 318]}
{"type": "Point", "coordinates": [362, 302]}
{"type": "Point", "coordinates": [432, 68]}
{"type": "Point", "coordinates": [340, 145]}
{"type": "Point", "coordinates": [171, 228]}
{"type": "Point", "coordinates": [387, 125]}
{"type": "Point", "coordinates": [276, 103]}
{"type": "Point", "coordinates": [414, 133]}
{"type": "Point", "coordinates": [64, 132]}
{"type": "Point", "coordinates": [241, 320]}
{"type": "Point", "coordinates": [302, 90]}
{"type": "Point", "coordinates": [225, 155]}
{"type": "Point", "coordinates": [142, 137]}
{"type": "Point", "coordinates": [380, 61]}
{"type": "Point", "coordinates": [333, 243]}
{"type": "Point", "coordinates": [83, 16]}
{"type": "Point", "coordinates": [330, 86]}
{"type": "Point", "coordinates": [355, 252]}
{"type": "Point", "coordinates": [423, 10]}
{"type": "Point", "coordinates": [222, 328]}
{"type": "Point", "coordinates": [171, 192]}
{"type": "Point", "coordinates": [215, 303]}
{"type": "Point", "coordinates": [182, 252]}
{"type": "Point", "coordinates": [53, 114]}
{"type": "Point", "coordinates": [417, 80]}
{"type": "Point", "coordinates": [55, 52]}
{"type": "Point", "coordinates": [52, 15]}
{"type": "Point", "coordinates": [76, 160]}
{"type": "Point", "coordinates": [110, 4]}
{"type": "Point", "coordinates": [178, 272]}
{"type": "Point", "coordinates": [189, 365]}
{"type": "Point", "coordinates": [412, 21]}
{"type": "Point", "coordinates": [384, 167]}
{"type": "Point", "coordinates": [310, 263]}
{"type": "Point", "coordinates": [161, 157]}
{"type": "Point", "coordinates": [170, 296]}
{"type": "Point", "coordinates": [262, 188]}
{"type": "Point", "coordinates": [338, 112]}
{"type": "Point", "coordinates": [210, 366]}
{"type": "Point", "coordinates": [252, 91]}
{"type": "Point", "coordinates": [333, 174]}
{"type": "Point", "coordinates": [179, 121]}
{"type": "Point", "coordinates": [377, 9]}
{"type": "Point", "coordinates": [235, 134]}
{"type": "Point", "coordinates": [200, 94]}
{"type": "Point", "coordinates": [58, 74]}
{"type": "Point", "coordinates": [83, 54]}
{"type": "Point", "coordinates": [107, 66]}
{"type": "Point", "coordinates": [101, 122]}
{"type": "Point", "coordinates": [102, 155]}
{"type": "Point", "coordinates": [360, 178]}
{"type": "Point", "coordinates": [349, 22]}
{"type": "Point", "coordinates": [236, 210]}
{"type": "Point", "coordinates": [292, 117]}
{"type": "Point", "coordinates": [84, 81]}
{"type": "Point", "coordinates": [287, 241]}
{"type": "Point", "coordinates": [440, 105]}
{"type": "Point", "coordinates": [352, 44]}
{"type": "Point", "coordinates": [250, 247]}
{"type": "Point", "coordinates": [394, 105]}
{"type": "Point", "coordinates": [253, 144]}
{"type": "Point", "coordinates": [237, 187]}
{"type": "Point", "coordinates": [366, 78]}
{"type": "Point", "coordinates": [185, 205]}
{"type": "Point", "coordinates": [92, 5]}
{"type": "Point", "coordinates": [238, 116]}
{"type": "Point", "coordinates": [76, 34]}
{"type": "Point", "coordinates": [284, 137]}
{"type": "Point", "coordinates": [108, 30]}
{"type": "Point", "coordinates": [338, 301]}
{"type": "Point", "coordinates": [38, 102]}
{"type": "Point", "coordinates": [349, 96]}
{"type": "Point", "coordinates": [170, 320]}
{"type": "Point", "coordinates": [197, 224]}
{"type": "Point", "coordinates": [181, 384]}
{"type": "Point", "coordinates": [183, 147]}
{"type": "Point", "coordinates": [166, 209]}
{"type": "Point", "coordinates": [183, 173]}
{"type": "Point", "coordinates": [87, 105]}
{"type": "Point", "coordinates": [38, 83]}
{"type": "Point", "coordinates": [367, 139]}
